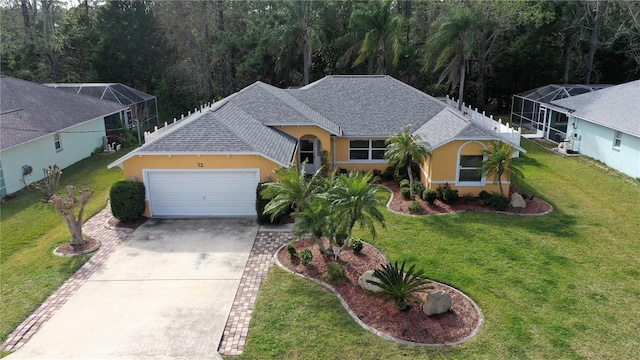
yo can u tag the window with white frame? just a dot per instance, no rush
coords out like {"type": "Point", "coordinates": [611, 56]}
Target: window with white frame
{"type": "Point", "coordinates": [366, 150]}
{"type": "Point", "coordinates": [470, 168]}
{"type": "Point", "coordinates": [617, 140]}
{"type": "Point", "coordinates": [57, 142]}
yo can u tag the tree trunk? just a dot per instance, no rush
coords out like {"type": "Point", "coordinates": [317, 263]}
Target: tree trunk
{"type": "Point", "coordinates": [410, 173]}
{"type": "Point", "coordinates": [381, 54]}
{"type": "Point", "coordinates": [306, 46]}
{"type": "Point", "coordinates": [601, 9]}
{"type": "Point", "coordinates": [463, 69]}
{"type": "Point", "coordinates": [567, 49]}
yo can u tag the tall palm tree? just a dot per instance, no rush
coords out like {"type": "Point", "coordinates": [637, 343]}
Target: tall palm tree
{"type": "Point", "coordinates": [376, 32]}
{"type": "Point", "coordinates": [499, 161]}
{"type": "Point", "coordinates": [451, 47]}
{"type": "Point", "coordinates": [356, 201]}
{"type": "Point", "coordinates": [296, 29]}
{"type": "Point", "coordinates": [291, 189]}
{"type": "Point", "coordinates": [403, 149]}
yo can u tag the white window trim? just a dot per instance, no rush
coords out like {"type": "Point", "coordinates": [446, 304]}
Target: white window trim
{"type": "Point", "coordinates": [369, 149]}
{"type": "Point", "coordinates": [459, 183]}
{"type": "Point", "coordinates": [617, 138]}
{"type": "Point", "coordinates": [57, 142]}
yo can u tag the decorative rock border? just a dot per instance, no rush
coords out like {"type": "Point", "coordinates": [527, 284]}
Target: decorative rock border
{"type": "Point", "coordinates": [379, 333]}
{"type": "Point", "coordinates": [462, 211]}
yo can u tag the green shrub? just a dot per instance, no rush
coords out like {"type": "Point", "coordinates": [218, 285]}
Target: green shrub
{"type": "Point", "coordinates": [498, 202]}
{"type": "Point", "coordinates": [261, 203]}
{"type": "Point", "coordinates": [341, 236]}
{"type": "Point", "coordinates": [388, 173]}
{"type": "Point", "coordinates": [397, 178]}
{"type": "Point", "coordinates": [306, 256]}
{"type": "Point", "coordinates": [404, 183]}
{"type": "Point", "coordinates": [440, 193]}
{"type": "Point", "coordinates": [377, 175]}
{"type": "Point", "coordinates": [429, 196]}
{"type": "Point", "coordinates": [357, 245]}
{"type": "Point", "coordinates": [336, 273]}
{"type": "Point", "coordinates": [406, 193]}
{"type": "Point", "coordinates": [127, 200]}
{"type": "Point", "coordinates": [293, 253]}
{"type": "Point", "coordinates": [416, 207]}
{"type": "Point", "coordinates": [418, 187]}
{"type": "Point", "coordinates": [97, 150]}
{"type": "Point", "coordinates": [484, 195]}
{"type": "Point", "coordinates": [399, 286]}
{"type": "Point", "coordinates": [449, 195]}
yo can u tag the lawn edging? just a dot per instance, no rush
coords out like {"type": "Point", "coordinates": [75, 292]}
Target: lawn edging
{"type": "Point", "coordinates": [379, 333]}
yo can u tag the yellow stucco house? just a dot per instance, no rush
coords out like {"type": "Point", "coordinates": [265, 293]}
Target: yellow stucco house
{"type": "Point", "coordinates": [210, 163]}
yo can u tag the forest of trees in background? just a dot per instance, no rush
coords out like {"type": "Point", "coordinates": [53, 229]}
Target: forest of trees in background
{"type": "Point", "coordinates": [188, 52]}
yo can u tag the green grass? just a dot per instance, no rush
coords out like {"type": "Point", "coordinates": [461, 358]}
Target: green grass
{"type": "Point", "coordinates": [565, 285]}
{"type": "Point", "coordinates": [30, 230]}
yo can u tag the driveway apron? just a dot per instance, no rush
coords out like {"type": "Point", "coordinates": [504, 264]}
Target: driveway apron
{"type": "Point", "coordinates": [164, 293]}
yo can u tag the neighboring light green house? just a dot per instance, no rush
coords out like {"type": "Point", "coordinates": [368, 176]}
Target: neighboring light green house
{"type": "Point", "coordinates": [605, 125]}
{"type": "Point", "coordinates": [42, 126]}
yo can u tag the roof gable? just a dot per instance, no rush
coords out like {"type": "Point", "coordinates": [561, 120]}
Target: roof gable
{"type": "Point", "coordinates": [29, 111]}
{"type": "Point", "coordinates": [616, 107]}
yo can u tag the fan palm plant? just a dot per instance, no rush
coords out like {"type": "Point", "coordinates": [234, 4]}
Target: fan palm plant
{"type": "Point", "coordinates": [291, 189]}
{"type": "Point", "coordinates": [403, 149]}
{"type": "Point", "coordinates": [398, 285]}
{"type": "Point", "coordinates": [499, 161]}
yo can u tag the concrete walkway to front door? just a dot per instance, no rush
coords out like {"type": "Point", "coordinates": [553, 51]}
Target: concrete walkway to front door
{"type": "Point", "coordinates": [165, 292]}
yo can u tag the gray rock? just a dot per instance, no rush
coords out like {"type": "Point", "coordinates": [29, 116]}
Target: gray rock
{"type": "Point", "coordinates": [438, 302]}
{"type": "Point", "coordinates": [362, 281]}
{"type": "Point", "coordinates": [517, 201]}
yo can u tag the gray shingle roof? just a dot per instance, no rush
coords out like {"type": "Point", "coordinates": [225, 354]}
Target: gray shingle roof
{"type": "Point", "coordinates": [352, 106]}
{"type": "Point", "coordinates": [616, 107]}
{"type": "Point", "coordinates": [447, 125]}
{"type": "Point", "coordinates": [369, 105]}
{"type": "Point", "coordinates": [226, 129]}
{"type": "Point", "coordinates": [29, 111]}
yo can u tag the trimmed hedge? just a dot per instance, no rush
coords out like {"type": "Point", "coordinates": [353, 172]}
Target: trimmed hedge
{"type": "Point", "coordinates": [127, 200]}
{"type": "Point", "coordinates": [261, 203]}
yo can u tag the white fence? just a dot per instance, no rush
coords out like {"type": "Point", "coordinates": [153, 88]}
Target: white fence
{"type": "Point", "coordinates": [150, 136]}
{"type": "Point", "coordinates": [508, 133]}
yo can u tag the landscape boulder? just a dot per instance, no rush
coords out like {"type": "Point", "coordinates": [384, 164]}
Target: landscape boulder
{"type": "Point", "coordinates": [438, 302]}
{"type": "Point", "coordinates": [362, 281]}
{"type": "Point", "coordinates": [517, 201]}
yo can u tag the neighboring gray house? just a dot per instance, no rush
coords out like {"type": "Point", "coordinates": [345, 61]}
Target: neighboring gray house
{"type": "Point", "coordinates": [605, 125]}
{"type": "Point", "coordinates": [41, 126]}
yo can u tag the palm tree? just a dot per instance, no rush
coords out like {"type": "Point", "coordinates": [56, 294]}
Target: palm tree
{"type": "Point", "coordinates": [375, 31]}
{"type": "Point", "coordinates": [403, 149]}
{"type": "Point", "coordinates": [312, 218]}
{"type": "Point", "coordinates": [451, 46]}
{"type": "Point", "coordinates": [295, 30]}
{"type": "Point", "coordinates": [499, 161]}
{"type": "Point", "coordinates": [356, 201]}
{"type": "Point", "coordinates": [291, 189]}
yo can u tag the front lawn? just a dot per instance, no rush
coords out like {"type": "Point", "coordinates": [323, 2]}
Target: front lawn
{"type": "Point", "coordinates": [30, 230]}
{"type": "Point", "coordinates": [564, 285]}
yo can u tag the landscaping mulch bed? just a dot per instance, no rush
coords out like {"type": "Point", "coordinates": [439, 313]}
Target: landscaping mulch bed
{"type": "Point", "coordinates": [459, 323]}
{"type": "Point", "coordinates": [535, 205]}
{"type": "Point", "coordinates": [67, 249]}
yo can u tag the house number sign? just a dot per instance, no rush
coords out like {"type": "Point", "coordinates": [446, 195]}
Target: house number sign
{"type": "Point", "coordinates": [200, 164]}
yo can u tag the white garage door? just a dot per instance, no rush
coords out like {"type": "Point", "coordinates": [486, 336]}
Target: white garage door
{"type": "Point", "coordinates": [202, 192]}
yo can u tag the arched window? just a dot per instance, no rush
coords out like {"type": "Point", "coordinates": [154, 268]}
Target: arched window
{"type": "Point", "coordinates": [469, 164]}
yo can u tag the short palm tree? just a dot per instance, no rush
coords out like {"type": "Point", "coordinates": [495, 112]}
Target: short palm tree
{"type": "Point", "coordinates": [356, 201]}
{"type": "Point", "coordinates": [312, 219]}
{"type": "Point", "coordinates": [499, 162]}
{"type": "Point", "coordinates": [403, 149]}
{"type": "Point", "coordinates": [291, 189]}
{"type": "Point", "coordinates": [398, 285]}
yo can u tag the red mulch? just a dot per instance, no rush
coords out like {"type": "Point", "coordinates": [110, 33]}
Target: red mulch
{"type": "Point", "coordinates": [67, 249]}
{"type": "Point", "coordinates": [535, 206]}
{"type": "Point", "coordinates": [412, 325]}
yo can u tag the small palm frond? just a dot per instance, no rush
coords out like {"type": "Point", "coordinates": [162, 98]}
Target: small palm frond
{"type": "Point", "coordinates": [398, 285]}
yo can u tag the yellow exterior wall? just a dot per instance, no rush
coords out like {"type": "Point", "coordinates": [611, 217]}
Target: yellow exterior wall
{"type": "Point", "coordinates": [441, 167]}
{"type": "Point", "coordinates": [135, 165]}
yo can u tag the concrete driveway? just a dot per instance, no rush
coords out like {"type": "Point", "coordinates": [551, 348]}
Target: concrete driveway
{"type": "Point", "coordinates": [164, 293]}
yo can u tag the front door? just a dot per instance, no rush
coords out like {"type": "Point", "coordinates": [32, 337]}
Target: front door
{"type": "Point", "coordinates": [309, 151]}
